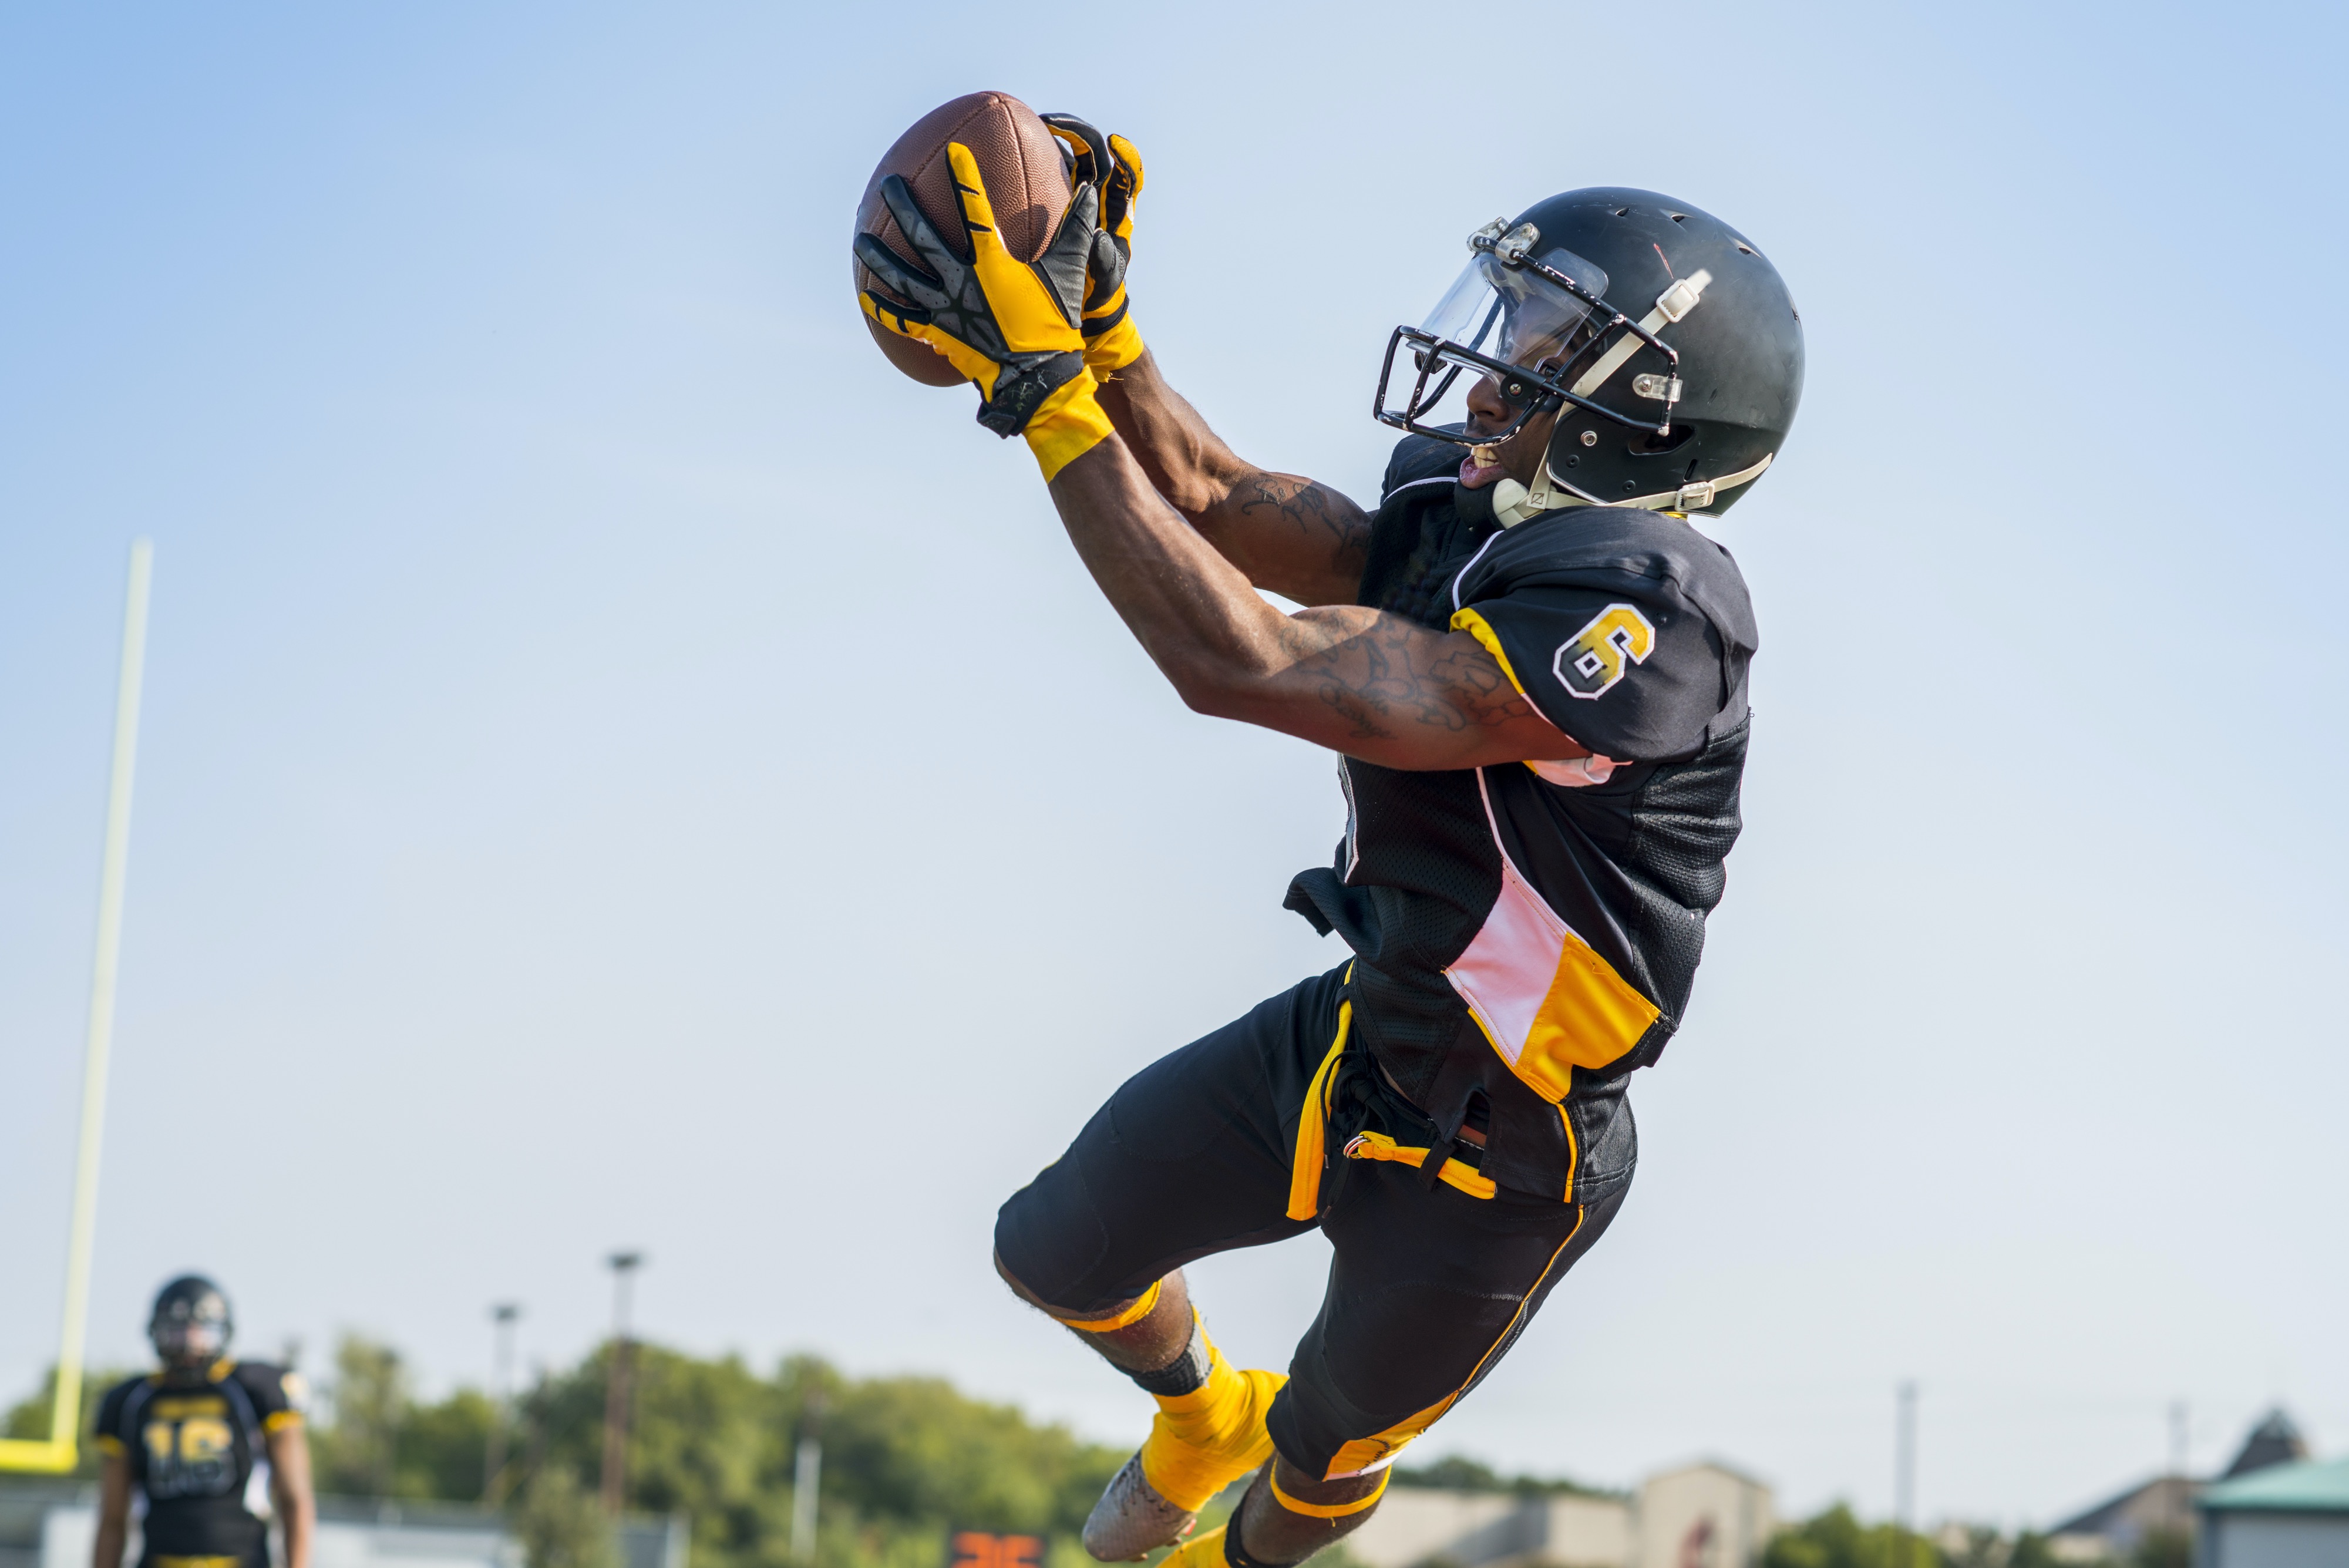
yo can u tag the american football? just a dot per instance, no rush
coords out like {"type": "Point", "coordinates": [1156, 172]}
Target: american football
{"type": "Point", "coordinates": [1026, 178]}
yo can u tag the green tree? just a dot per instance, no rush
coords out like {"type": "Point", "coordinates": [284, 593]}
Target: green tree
{"type": "Point", "coordinates": [561, 1525]}
{"type": "Point", "coordinates": [358, 1450]}
{"type": "Point", "coordinates": [912, 1448]}
{"type": "Point", "coordinates": [1984, 1548]}
{"type": "Point", "coordinates": [439, 1450]}
{"type": "Point", "coordinates": [710, 1439]}
{"type": "Point", "coordinates": [1837, 1539]}
{"type": "Point", "coordinates": [30, 1418]}
{"type": "Point", "coordinates": [378, 1441]}
{"type": "Point", "coordinates": [1453, 1472]}
{"type": "Point", "coordinates": [2033, 1549]}
{"type": "Point", "coordinates": [905, 1457]}
{"type": "Point", "coordinates": [2163, 1549]}
{"type": "Point", "coordinates": [1456, 1473]}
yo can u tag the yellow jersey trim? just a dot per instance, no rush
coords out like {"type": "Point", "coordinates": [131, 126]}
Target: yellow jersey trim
{"type": "Point", "coordinates": [1474, 625]}
{"type": "Point", "coordinates": [1590, 1018]}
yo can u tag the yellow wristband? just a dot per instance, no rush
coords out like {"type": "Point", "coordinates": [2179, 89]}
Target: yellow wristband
{"type": "Point", "coordinates": [1114, 349]}
{"type": "Point", "coordinates": [1069, 425]}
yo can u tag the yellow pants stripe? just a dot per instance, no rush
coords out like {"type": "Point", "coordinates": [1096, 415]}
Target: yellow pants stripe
{"type": "Point", "coordinates": [1364, 1452]}
{"type": "Point", "coordinates": [1329, 1511]}
{"type": "Point", "coordinates": [1313, 1127]}
{"type": "Point", "coordinates": [1132, 1313]}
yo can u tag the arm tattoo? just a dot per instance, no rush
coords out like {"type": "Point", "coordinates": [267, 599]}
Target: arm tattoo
{"type": "Point", "coordinates": [1314, 511]}
{"type": "Point", "coordinates": [1394, 675]}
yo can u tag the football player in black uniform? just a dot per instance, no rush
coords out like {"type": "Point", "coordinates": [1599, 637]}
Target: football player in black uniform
{"type": "Point", "coordinates": [1531, 668]}
{"type": "Point", "coordinates": [191, 1437]}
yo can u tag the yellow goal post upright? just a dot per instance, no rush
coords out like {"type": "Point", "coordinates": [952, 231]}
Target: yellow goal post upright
{"type": "Point", "coordinates": [58, 1453]}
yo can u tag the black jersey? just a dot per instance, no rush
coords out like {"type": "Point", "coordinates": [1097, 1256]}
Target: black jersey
{"type": "Point", "coordinates": [1526, 934]}
{"type": "Point", "coordinates": [192, 1448]}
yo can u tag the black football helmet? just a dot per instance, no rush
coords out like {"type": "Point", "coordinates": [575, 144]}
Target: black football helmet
{"type": "Point", "coordinates": [1664, 339]}
{"type": "Point", "coordinates": [190, 1325]}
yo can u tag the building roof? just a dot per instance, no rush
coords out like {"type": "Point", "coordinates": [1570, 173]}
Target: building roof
{"type": "Point", "coordinates": [2274, 1441]}
{"type": "Point", "coordinates": [2312, 1486]}
{"type": "Point", "coordinates": [2161, 1503]}
{"type": "Point", "coordinates": [1717, 1466]}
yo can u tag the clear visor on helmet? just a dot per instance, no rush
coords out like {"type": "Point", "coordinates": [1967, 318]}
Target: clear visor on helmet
{"type": "Point", "coordinates": [184, 1334]}
{"type": "Point", "coordinates": [1516, 314]}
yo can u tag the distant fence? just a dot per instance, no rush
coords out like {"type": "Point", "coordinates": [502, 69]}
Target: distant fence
{"type": "Point", "coordinates": [55, 1525]}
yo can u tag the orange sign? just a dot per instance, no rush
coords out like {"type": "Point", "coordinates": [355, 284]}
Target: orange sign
{"type": "Point", "coordinates": [978, 1549]}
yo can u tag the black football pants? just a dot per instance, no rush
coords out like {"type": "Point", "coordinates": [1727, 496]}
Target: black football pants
{"type": "Point", "coordinates": [1428, 1288]}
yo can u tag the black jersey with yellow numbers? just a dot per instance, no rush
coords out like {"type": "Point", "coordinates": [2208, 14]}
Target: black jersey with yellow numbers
{"type": "Point", "coordinates": [1526, 934]}
{"type": "Point", "coordinates": [193, 1446]}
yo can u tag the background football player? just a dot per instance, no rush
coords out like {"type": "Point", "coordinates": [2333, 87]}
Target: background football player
{"type": "Point", "coordinates": [192, 1436]}
{"type": "Point", "coordinates": [1533, 669]}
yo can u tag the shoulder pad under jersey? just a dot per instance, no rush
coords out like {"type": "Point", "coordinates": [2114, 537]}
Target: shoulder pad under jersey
{"type": "Point", "coordinates": [1416, 458]}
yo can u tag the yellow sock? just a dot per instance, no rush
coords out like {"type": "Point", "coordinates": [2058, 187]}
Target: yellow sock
{"type": "Point", "coordinates": [1204, 1550]}
{"type": "Point", "coordinates": [1202, 1441]}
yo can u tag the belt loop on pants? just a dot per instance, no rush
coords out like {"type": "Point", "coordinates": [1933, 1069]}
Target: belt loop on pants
{"type": "Point", "coordinates": [1368, 1145]}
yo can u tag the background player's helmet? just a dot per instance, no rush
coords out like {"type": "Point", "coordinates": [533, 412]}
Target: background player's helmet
{"type": "Point", "coordinates": [190, 1324]}
{"type": "Point", "coordinates": [1664, 338]}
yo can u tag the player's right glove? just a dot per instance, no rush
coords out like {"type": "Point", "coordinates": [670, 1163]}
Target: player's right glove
{"type": "Point", "coordinates": [1111, 165]}
{"type": "Point", "coordinates": [1008, 324]}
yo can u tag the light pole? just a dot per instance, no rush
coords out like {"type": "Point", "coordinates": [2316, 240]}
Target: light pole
{"type": "Point", "coordinates": [807, 1480]}
{"type": "Point", "coordinates": [1904, 1456]}
{"type": "Point", "coordinates": [494, 1464]}
{"type": "Point", "coordinates": [624, 1266]}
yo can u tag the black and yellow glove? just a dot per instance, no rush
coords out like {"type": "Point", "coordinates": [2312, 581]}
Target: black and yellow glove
{"type": "Point", "coordinates": [1110, 164]}
{"type": "Point", "coordinates": [1008, 324]}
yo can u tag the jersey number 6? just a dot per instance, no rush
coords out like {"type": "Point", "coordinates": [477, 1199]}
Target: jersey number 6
{"type": "Point", "coordinates": [1593, 659]}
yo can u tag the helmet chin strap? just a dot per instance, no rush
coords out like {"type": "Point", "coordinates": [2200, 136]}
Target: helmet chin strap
{"type": "Point", "coordinates": [1513, 503]}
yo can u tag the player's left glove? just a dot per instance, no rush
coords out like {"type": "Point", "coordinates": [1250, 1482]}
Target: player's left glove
{"type": "Point", "coordinates": [1008, 325]}
{"type": "Point", "coordinates": [1110, 163]}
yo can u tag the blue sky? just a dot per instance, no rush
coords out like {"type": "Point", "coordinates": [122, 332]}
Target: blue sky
{"type": "Point", "coordinates": [622, 766]}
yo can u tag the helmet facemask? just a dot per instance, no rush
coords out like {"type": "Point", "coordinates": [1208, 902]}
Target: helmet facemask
{"type": "Point", "coordinates": [189, 1330]}
{"type": "Point", "coordinates": [1536, 322]}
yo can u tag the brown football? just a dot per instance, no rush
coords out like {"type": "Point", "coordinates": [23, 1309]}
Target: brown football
{"type": "Point", "coordinates": [1026, 185]}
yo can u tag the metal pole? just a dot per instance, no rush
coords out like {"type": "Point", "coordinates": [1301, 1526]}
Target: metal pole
{"type": "Point", "coordinates": [493, 1463]}
{"type": "Point", "coordinates": [807, 1481]}
{"type": "Point", "coordinates": [1904, 1447]}
{"type": "Point", "coordinates": [624, 1267]}
{"type": "Point", "coordinates": [58, 1454]}
{"type": "Point", "coordinates": [807, 1478]}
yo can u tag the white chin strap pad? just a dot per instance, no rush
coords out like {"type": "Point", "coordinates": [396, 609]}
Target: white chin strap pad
{"type": "Point", "coordinates": [1513, 503]}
